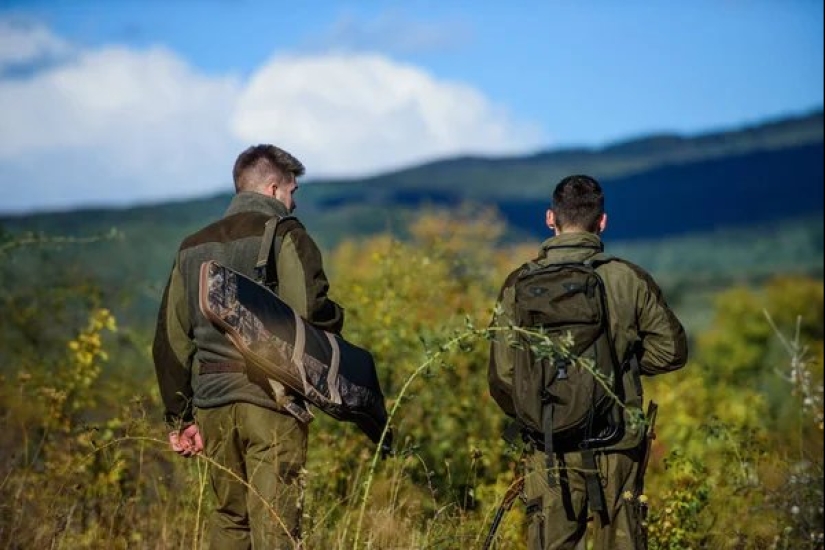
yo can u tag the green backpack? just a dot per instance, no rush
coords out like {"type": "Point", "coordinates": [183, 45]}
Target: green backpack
{"type": "Point", "coordinates": [565, 394]}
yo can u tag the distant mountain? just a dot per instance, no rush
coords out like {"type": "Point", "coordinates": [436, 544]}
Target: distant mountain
{"type": "Point", "coordinates": [616, 160]}
{"type": "Point", "coordinates": [658, 187]}
{"type": "Point", "coordinates": [700, 196]}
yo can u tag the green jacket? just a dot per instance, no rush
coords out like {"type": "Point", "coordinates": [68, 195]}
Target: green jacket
{"type": "Point", "coordinates": [640, 321]}
{"type": "Point", "coordinates": [195, 364]}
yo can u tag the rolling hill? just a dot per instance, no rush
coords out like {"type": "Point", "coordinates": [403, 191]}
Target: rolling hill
{"type": "Point", "coordinates": [753, 193]}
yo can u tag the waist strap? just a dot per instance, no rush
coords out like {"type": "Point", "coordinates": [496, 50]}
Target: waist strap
{"type": "Point", "coordinates": [219, 368]}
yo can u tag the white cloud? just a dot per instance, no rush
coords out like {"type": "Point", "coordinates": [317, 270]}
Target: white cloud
{"type": "Point", "coordinates": [115, 126]}
{"type": "Point", "coordinates": [354, 114]}
{"type": "Point", "coordinates": [112, 96]}
{"type": "Point", "coordinates": [23, 42]}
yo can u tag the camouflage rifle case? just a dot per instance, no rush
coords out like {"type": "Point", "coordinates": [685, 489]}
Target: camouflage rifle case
{"type": "Point", "coordinates": [291, 354]}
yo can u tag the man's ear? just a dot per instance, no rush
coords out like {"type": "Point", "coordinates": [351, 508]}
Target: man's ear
{"type": "Point", "coordinates": [550, 219]}
{"type": "Point", "coordinates": [272, 187]}
{"type": "Point", "coordinates": [602, 223]}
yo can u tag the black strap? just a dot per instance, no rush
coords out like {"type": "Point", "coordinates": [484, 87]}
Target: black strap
{"type": "Point", "coordinates": [547, 428]}
{"type": "Point", "coordinates": [513, 432]}
{"type": "Point", "coordinates": [591, 479]}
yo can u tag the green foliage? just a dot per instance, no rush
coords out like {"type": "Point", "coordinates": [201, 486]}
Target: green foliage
{"type": "Point", "coordinates": [737, 462]}
{"type": "Point", "coordinates": [409, 303]}
{"type": "Point", "coordinates": [33, 281]}
{"type": "Point", "coordinates": [80, 467]}
{"type": "Point", "coordinates": [679, 521]}
{"type": "Point", "coordinates": [742, 347]}
{"type": "Point", "coordinates": [746, 413]}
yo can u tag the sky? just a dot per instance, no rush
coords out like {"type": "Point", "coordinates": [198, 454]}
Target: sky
{"type": "Point", "coordinates": [125, 102]}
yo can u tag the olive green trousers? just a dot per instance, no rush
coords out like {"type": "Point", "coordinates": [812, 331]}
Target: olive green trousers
{"type": "Point", "coordinates": [256, 472]}
{"type": "Point", "coordinates": [558, 515]}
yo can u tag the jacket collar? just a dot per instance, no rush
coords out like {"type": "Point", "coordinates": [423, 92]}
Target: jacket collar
{"type": "Point", "coordinates": [247, 201]}
{"type": "Point", "coordinates": [584, 240]}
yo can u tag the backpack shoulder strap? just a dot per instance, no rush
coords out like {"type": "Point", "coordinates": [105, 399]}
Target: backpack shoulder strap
{"type": "Point", "coordinates": [594, 262]}
{"type": "Point", "coordinates": [266, 272]}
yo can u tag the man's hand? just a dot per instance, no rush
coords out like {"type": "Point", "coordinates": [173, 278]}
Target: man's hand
{"type": "Point", "coordinates": [186, 442]}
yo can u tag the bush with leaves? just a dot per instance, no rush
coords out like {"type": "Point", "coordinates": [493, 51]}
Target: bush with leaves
{"type": "Point", "coordinates": [747, 411]}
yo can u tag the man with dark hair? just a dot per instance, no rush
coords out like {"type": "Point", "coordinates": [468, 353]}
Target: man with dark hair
{"type": "Point", "coordinates": [211, 404]}
{"type": "Point", "coordinates": [646, 339]}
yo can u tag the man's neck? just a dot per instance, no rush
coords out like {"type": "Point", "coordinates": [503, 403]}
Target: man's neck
{"type": "Point", "coordinates": [572, 230]}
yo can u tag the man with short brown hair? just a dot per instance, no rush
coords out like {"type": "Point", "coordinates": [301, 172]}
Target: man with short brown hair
{"type": "Point", "coordinates": [211, 404]}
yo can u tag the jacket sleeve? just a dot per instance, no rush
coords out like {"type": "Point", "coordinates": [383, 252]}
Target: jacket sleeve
{"type": "Point", "coordinates": [302, 282]}
{"type": "Point", "coordinates": [663, 343]}
{"type": "Point", "coordinates": [500, 371]}
{"type": "Point", "coordinates": [173, 350]}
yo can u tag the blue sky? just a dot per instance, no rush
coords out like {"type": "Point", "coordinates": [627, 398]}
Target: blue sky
{"type": "Point", "coordinates": [121, 102]}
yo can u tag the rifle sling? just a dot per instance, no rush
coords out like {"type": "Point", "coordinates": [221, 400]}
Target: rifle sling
{"type": "Point", "coordinates": [647, 444]}
{"type": "Point", "coordinates": [271, 241]}
{"type": "Point", "coordinates": [263, 272]}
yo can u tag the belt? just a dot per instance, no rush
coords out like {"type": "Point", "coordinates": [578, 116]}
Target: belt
{"type": "Point", "coordinates": [220, 368]}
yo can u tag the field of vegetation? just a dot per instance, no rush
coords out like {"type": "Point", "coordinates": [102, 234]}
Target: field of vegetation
{"type": "Point", "coordinates": [84, 461]}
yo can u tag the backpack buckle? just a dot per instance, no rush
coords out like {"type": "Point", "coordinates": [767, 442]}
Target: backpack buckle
{"type": "Point", "coordinates": [561, 368]}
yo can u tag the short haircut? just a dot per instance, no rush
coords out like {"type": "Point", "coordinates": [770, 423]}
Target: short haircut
{"type": "Point", "coordinates": [578, 203]}
{"type": "Point", "coordinates": [255, 167]}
